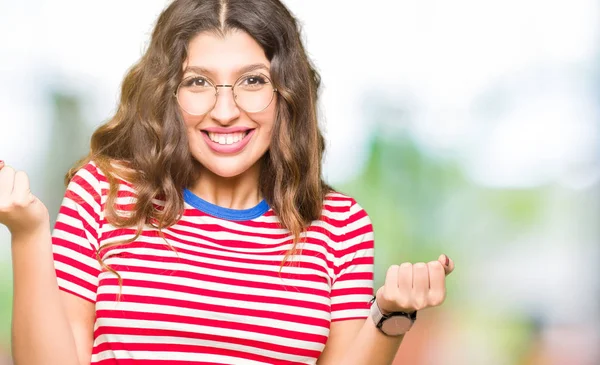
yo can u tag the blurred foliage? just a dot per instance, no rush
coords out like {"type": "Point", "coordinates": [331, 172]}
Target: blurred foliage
{"type": "Point", "coordinates": [422, 205]}
{"type": "Point", "coordinates": [5, 305]}
{"type": "Point", "coordinates": [69, 143]}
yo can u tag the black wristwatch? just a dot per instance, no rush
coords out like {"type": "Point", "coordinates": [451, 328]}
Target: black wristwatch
{"type": "Point", "coordinates": [392, 324]}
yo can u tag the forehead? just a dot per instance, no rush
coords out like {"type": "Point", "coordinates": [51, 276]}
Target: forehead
{"type": "Point", "coordinates": [224, 56]}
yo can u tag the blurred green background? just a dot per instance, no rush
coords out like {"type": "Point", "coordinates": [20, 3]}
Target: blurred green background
{"type": "Point", "coordinates": [470, 129]}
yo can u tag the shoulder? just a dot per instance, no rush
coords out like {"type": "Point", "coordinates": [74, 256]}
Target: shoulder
{"type": "Point", "coordinates": [342, 206]}
{"type": "Point", "coordinates": [93, 179]}
{"type": "Point", "coordinates": [89, 172]}
{"type": "Point", "coordinates": [350, 225]}
{"type": "Point", "coordinates": [345, 213]}
{"type": "Point", "coordinates": [85, 180]}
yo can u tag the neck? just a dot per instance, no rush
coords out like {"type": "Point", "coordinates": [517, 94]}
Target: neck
{"type": "Point", "coordinates": [238, 192]}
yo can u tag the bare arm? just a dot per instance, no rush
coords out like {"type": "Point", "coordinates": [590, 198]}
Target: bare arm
{"type": "Point", "coordinates": [44, 319]}
{"type": "Point", "coordinates": [41, 333]}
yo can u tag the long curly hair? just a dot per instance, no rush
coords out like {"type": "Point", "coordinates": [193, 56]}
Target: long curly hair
{"type": "Point", "coordinates": [145, 142]}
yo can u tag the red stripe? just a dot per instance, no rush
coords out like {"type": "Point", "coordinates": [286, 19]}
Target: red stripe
{"type": "Point", "coordinates": [241, 281]}
{"type": "Point", "coordinates": [210, 322]}
{"type": "Point", "coordinates": [199, 350]}
{"type": "Point", "coordinates": [255, 298]}
{"type": "Point", "coordinates": [213, 308]}
{"type": "Point", "coordinates": [171, 256]}
{"type": "Point", "coordinates": [132, 331]}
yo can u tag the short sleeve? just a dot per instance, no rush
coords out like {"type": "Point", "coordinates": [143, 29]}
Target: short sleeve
{"type": "Point", "coordinates": [75, 237]}
{"type": "Point", "coordinates": [352, 286]}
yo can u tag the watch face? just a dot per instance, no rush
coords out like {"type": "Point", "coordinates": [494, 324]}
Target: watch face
{"type": "Point", "coordinates": [397, 325]}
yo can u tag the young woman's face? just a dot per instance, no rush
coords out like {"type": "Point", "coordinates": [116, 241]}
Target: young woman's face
{"type": "Point", "coordinates": [228, 134]}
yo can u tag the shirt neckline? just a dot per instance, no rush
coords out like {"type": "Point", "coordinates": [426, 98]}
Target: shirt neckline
{"type": "Point", "coordinates": [225, 213]}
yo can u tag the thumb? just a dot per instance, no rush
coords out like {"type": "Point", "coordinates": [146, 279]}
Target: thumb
{"type": "Point", "coordinates": [447, 263]}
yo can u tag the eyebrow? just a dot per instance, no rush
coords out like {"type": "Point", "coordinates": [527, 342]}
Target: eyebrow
{"type": "Point", "coordinates": [241, 70]}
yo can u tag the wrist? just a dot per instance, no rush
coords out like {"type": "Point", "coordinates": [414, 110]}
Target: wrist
{"type": "Point", "coordinates": [37, 233]}
{"type": "Point", "coordinates": [391, 323]}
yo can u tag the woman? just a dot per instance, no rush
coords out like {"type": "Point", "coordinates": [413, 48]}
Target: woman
{"type": "Point", "coordinates": [199, 229]}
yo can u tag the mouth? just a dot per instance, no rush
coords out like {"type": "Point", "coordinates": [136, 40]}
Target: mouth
{"type": "Point", "coordinates": [230, 142]}
{"type": "Point", "coordinates": [226, 139]}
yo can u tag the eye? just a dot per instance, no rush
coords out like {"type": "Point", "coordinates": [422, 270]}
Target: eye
{"type": "Point", "coordinates": [252, 82]}
{"type": "Point", "coordinates": [197, 83]}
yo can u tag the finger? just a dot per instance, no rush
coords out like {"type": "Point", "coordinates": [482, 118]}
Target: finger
{"type": "Point", "coordinates": [405, 278]}
{"type": "Point", "coordinates": [437, 282]}
{"type": "Point", "coordinates": [420, 285]}
{"type": "Point", "coordinates": [450, 268]}
{"type": "Point", "coordinates": [447, 263]}
{"type": "Point", "coordinates": [7, 177]}
{"type": "Point", "coordinates": [388, 293]}
{"type": "Point", "coordinates": [1, 164]}
{"type": "Point", "coordinates": [21, 191]}
{"type": "Point", "coordinates": [391, 282]}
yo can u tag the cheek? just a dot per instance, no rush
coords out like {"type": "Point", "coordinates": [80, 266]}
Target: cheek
{"type": "Point", "coordinates": [190, 121]}
{"type": "Point", "coordinates": [266, 134]}
{"type": "Point", "coordinates": [266, 121]}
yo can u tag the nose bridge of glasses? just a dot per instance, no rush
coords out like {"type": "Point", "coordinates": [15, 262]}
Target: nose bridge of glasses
{"type": "Point", "coordinates": [220, 102]}
{"type": "Point", "coordinates": [217, 87]}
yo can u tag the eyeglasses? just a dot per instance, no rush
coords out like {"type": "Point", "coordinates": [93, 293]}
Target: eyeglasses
{"type": "Point", "coordinates": [197, 94]}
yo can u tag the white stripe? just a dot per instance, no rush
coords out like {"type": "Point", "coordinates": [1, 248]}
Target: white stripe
{"type": "Point", "coordinates": [123, 305]}
{"type": "Point", "coordinates": [171, 294]}
{"type": "Point", "coordinates": [290, 283]}
{"type": "Point", "coordinates": [356, 298]}
{"type": "Point", "coordinates": [93, 280]}
{"type": "Point", "coordinates": [193, 328]}
{"type": "Point", "coordinates": [76, 289]}
{"type": "Point", "coordinates": [171, 355]}
{"type": "Point", "coordinates": [350, 313]}
{"type": "Point", "coordinates": [349, 284]}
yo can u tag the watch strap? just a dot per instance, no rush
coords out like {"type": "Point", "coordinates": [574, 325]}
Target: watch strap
{"type": "Point", "coordinates": [379, 317]}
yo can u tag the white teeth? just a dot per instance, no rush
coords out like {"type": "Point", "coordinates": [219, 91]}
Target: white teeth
{"type": "Point", "coordinates": [226, 138]}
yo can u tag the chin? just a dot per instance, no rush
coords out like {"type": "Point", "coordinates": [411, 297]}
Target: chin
{"type": "Point", "coordinates": [226, 170]}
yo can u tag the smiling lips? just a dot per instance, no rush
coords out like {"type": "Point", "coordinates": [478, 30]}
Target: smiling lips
{"type": "Point", "coordinates": [229, 140]}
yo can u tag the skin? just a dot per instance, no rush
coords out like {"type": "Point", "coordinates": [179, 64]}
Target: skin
{"type": "Point", "coordinates": [65, 322]}
{"type": "Point", "coordinates": [229, 180]}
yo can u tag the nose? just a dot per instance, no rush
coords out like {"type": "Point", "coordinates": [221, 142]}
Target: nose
{"type": "Point", "coordinates": [225, 110]}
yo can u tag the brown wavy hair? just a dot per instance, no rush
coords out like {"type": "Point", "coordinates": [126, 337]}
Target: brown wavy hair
{"type": "Point", "coordinates": [145, 142]}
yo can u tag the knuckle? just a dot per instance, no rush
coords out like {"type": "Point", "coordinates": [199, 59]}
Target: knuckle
{"type": "Point", "coordinates": [436, 268]}
{"type": "Point", "coordinates": [389, 296]}
{"type": "Point", "coordinates": [420, 265]}
{"type": "Point", "coordinates": [419, 306]}
{"type": "Point", "coordinates": [405, 303]}
{"type": "Point", "coordinates": [420, 303]}
{"type": "Point", "coordinates": [22, 175]}
{"type": "Point", "coordinates": [21, 203]}
{"type": "Point", "coordinates": [6, 206]}
{"type": "Point", "coordinates": [393, 268]}
{"type": "Point", "coordinates": [436, 265]}
{"type": "Point", "coordinates": [437, 299]}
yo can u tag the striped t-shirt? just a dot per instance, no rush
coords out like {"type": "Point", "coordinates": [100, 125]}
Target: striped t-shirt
{"type": "Point", "coordinates": [218, 294]}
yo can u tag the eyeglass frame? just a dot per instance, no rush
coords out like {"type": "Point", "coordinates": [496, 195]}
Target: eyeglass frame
{"type": "Point", "coordinates": [217, 86]}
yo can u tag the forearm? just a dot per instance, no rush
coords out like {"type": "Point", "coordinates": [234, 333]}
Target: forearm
{"type": "Point", "coordinates": [371, 347]}
{"type": "Point", "coordinates": [41, 333]}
